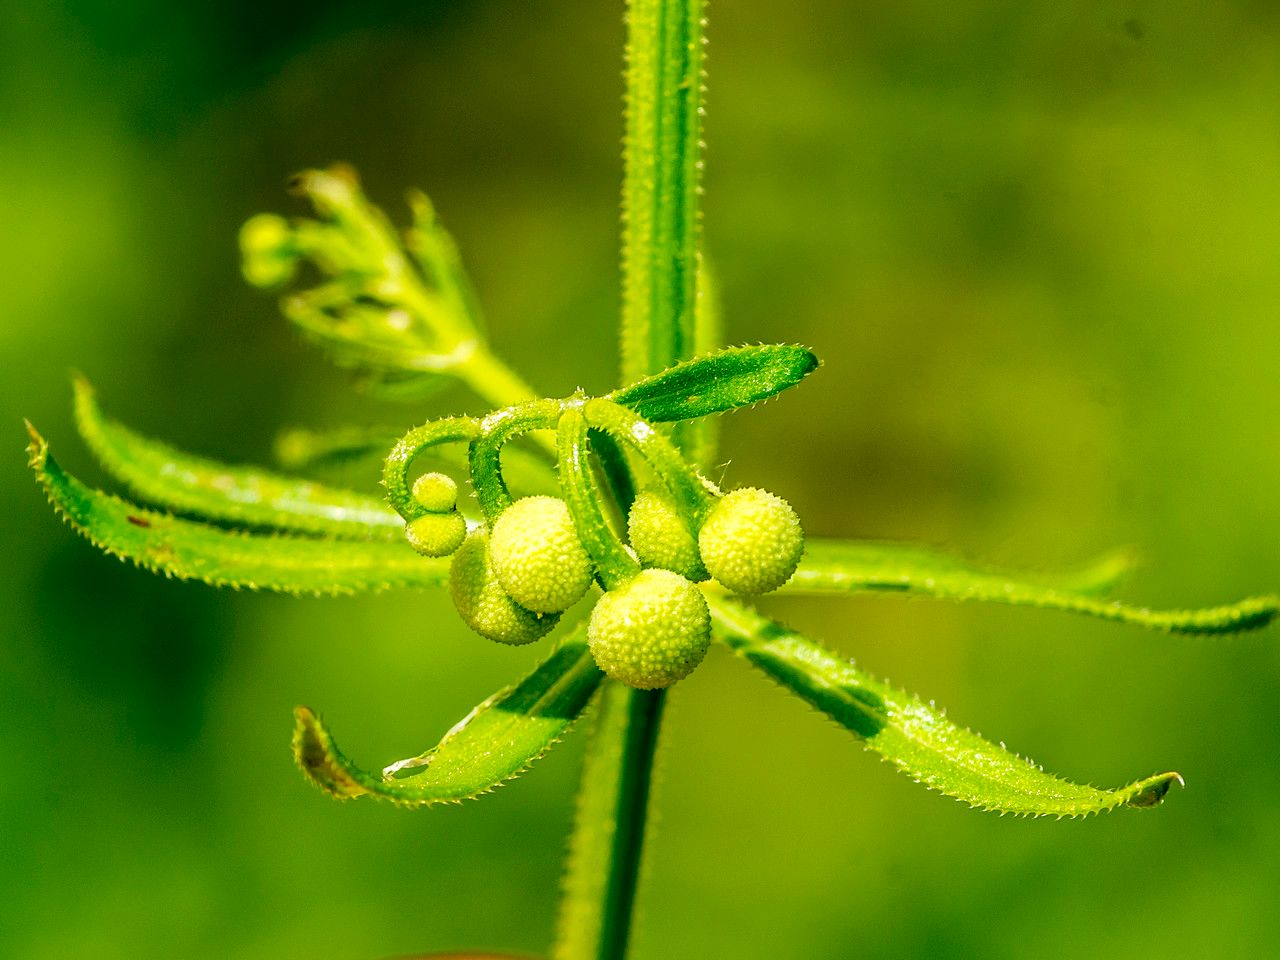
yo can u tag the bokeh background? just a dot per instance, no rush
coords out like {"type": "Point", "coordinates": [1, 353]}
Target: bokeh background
{"type": "Point", "coordinates": [1036, 245]}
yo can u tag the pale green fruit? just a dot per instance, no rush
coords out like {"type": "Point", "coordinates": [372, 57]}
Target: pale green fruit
{"type": "Point", "coordinates": [660, 537]}
{"type": "Point", "coordinates": [751, 541]}
{"type": "Point", "coordinates": [538, 557]}
{"type": "Point", "coordinates": [436, 534]}
{"type": "Point", "coordinates": [482, 603]}
{"type": "Point", "coordinates": [650, 632]}
{"type": "Point", "coordinates": [435, 492]}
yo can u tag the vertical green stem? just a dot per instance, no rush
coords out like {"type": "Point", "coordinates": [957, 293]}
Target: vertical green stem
{"type": "Point", "coordinates": [660, 192]}
{"type": "Point", "coordinates": [659, 327]}
{"type": "Point", "coordinates": [608, 839]}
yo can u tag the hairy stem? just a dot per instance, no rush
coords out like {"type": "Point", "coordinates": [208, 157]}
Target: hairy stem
{"type": "Point", "coordinates": [604, 858]}
{"type": "Point", "coordinates": [660, 321]}
{"type": "Point", "coordinates": [660, 191]}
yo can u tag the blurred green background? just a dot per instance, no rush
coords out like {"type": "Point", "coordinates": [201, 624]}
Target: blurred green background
{"type": "Point", "coordinates": [1036, 245]}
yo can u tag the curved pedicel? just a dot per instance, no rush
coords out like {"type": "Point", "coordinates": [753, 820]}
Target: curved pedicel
{"type": "Point", "coordinates": [395, 469]}
{"type": "Point", "coordinates": [486, 449]}
{"type": "Point", "coordinates": [693, 495]}
{"type": "Point", "coordinates": [583, 495]}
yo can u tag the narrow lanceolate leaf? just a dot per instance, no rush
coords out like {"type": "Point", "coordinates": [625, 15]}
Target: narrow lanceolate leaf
{"type": "Point", "coordinates": [914, 736]}
{"type": "Point", "coordinates": [494, 743]}
{"type": "Point", "coordinates": [851, 566]}
{"type": "Point", "coordinates": [189, 550]}
{"type": "Point", "coordinates": [179, 481]}
{"type": "Point", "coordinates": [720, 381]}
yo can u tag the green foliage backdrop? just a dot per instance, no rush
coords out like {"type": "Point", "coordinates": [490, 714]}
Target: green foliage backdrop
{"type": "Point", "coordinates": [1037, 246]}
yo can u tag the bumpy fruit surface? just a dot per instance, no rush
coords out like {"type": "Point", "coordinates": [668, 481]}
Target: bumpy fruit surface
{"type": "Point", "coordinates": [436, 492]}
{"type": "Point", "coordinates": [436, 534]}
{"type": "Point", "coordinates": [482, 603]}
{"type": "Point", "coordinates": [751, 541]}
{"type": "Point", "coordinates": [660, 537]}
{"type": "Point", "coordinates": [538, 557]}
{"type": "Point", "coordinates": [650, 632]}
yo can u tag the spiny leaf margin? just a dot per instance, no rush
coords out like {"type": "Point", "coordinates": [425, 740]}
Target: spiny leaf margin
{"type": "Point", "coordinates": [190, 550]}
{"type": "Point", "coordinates": [853, 566]}
{"type": "Point", "coordinates": [913, 736]}
{"type": "Point", "coordinates": [180, 481]}
{"type": "Point", "coordinates": [492, 745]}
{"type": "Point", "coordinates": [717, 382]}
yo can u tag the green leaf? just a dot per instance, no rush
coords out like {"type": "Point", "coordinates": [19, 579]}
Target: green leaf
{"type": "Point", "coordinates": [179, 481]}
{"type": "Point", "coordinates": [851, 566]}
{"type": "Point", "coordinates": [915, 737]}
{"type": "Point", "coordinates": [724, 380]}
{"type": "Point", "coordinates": [494, 743]}
{"type": "Point", "coordinates": [189, 550]}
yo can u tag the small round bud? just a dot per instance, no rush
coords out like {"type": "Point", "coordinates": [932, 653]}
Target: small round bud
{"type": "Point", "coordinates": [650, 632]}
{"type": "Point", "coordinates": [436, 492]}
{"type": "Point", "coordinates": [661, 539]}
{"type": "Point", "coordinates": [538, 557]}
{"type": "Point", "coordinates": [482, 603]}
{"type": "Point", "coordinates": [436, 534]}
{"type": "Point", "coordinates": [266, 246]}
{"type": "Point", "coordinates": [751, 542]}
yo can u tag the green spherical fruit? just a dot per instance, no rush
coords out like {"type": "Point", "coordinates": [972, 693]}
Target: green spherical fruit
{"type": "Point", "coordinates": [650, 632]}
{"type": "Point", "coordinates": [751, 541]}
{"type": "Point", "coordinates": [436, 534]}
{"type": "Point", "coordinates": [482, 603]}
{"type": "Point", "coordinates": [435, 492]}
{"type": "Point", "coordinates": [660, 537]}
{"type": "Point", "coordinates": [538, 557]}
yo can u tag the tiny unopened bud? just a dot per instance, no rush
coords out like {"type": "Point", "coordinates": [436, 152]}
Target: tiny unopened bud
{"type": "Point", "coordinates": [436, 492]}
{"type": "Point", "coordinates": [436, 534]}
{"type": "Point", "coordinates": [266, 245]}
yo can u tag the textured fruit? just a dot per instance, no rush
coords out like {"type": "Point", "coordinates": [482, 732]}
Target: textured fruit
{"type": "Point", "coordinates": [538, 557]}
{"type": "Point", "coordinates": [661, 539]}
{"type": "Point", "coordinates": [436, 534]}
{"type": "Point", "coordinates": [650, 632]}
{"type": "Point", "coordinates": [435, 492]}
{"type": "Point", "coordinates": [751, 541]}
{"type": "Point", "coordinates": [482, 603]}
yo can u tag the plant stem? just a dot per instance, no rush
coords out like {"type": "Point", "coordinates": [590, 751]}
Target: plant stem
{"type": "Point", "coordinates": [492, 380]}
{"type": "Point", "coordinates": [659, 327]}
{"type": "Point", "coordinates": [608, 840]}
{"type": "Point", "coordinates": [661, 187]}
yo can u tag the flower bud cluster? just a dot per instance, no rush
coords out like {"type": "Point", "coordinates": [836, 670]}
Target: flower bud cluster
{"type": "Point", "coordinates": [512, 578]}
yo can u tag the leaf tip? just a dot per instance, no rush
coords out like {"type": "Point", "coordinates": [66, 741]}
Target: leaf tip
{"type": "Point", "coordinates": [319, 759]}
{"type": "Point", "coordinates": [37, 447]}
{"type": "Point", "coordinates": [1151, 791]}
